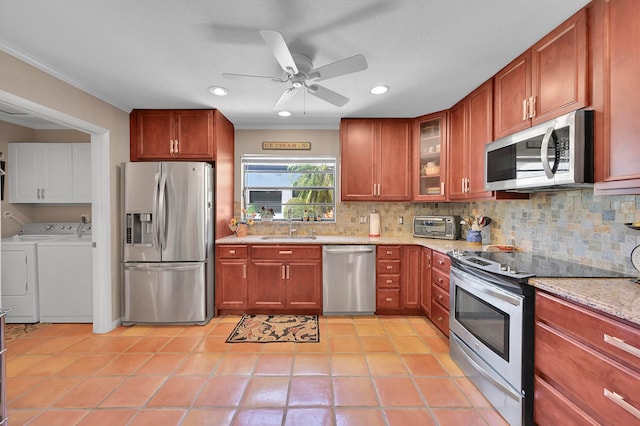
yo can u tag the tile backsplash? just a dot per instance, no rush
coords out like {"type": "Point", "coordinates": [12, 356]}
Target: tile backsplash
{"type": "Point", "coordinates": [573, 225]}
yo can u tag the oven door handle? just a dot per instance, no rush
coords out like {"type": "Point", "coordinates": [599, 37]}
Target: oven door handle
{"type": "Point", "coordinates": [515, 301]}
{"type": "Point", "coordinates": [510, 392]}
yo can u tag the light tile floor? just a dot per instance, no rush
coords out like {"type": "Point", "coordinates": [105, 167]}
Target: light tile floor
{"type": "Point", "coordinates": [365, 371]}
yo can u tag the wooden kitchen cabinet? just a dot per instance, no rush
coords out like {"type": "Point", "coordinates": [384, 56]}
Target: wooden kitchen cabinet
{"type": "Point", "coordinates": [388, 278]}
{"type": "Point", "coordinates": [587, 369]}
{"type": "Point", "coordinates": [616, 69]}
{"type": "Point", "coordinates": [430, 157]}
{"type": "Point", "coordinates": [425, 280]}
{"type": "Point", "coordinates": [285, 278]}
{"type": "Point", "coordinates": [548, 80]}
{"type": "Point", "coordinates": [174, 134]}
{"type": "Point", "coordinates": [471, 128]}
{"type": "Point", "coordinates": [375, 159]}
{"type": "Point", "coordinates": [410, 280]}
{"type": "Point", "coordinates": [440, 266]}
{"type": "Point", "coordinates": [231, 277]}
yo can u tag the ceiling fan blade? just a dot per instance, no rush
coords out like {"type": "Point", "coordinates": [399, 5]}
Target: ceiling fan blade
{"type": "Point", "coordinates": [285, 97]}
{"type": "Point", "coordinates": [234, 76]}
{"type": "Point", "coordinates": [280, 50]}
{"type": "Point", "coordinates": [327, 95]}
{"type": "Point", "coordinates": [335, 69]}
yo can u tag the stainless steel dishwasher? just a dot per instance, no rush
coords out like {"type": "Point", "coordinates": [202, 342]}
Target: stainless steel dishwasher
{"type": "Point", "coordinates": [349, 280]}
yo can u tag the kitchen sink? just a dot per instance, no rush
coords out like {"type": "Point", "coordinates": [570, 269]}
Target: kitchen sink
{"type": "Point", "coordinates": [287, 237]}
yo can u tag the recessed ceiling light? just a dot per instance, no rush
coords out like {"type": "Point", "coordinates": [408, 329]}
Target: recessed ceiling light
{"type": "Point", "coordinates": [379, 90]}
{"type": "Point", "coordinates": [284, 114]}
{"type": "Point", "coordinates": [218, 91]}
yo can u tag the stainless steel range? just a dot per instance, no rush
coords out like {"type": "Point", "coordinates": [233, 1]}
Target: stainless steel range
{"type": "Point", "coordinates": [492, 322]}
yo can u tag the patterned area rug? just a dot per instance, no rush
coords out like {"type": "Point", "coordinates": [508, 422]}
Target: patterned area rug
{"type": "Point", "coordinates": [13, 331]}
{"type": "Point", "coordinates": [276, 328]}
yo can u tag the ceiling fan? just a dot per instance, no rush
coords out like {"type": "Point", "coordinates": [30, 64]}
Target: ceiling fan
{"type": "Point", "coordinates": [301, 74]}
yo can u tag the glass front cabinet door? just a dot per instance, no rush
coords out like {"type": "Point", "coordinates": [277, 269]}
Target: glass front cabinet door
{"type": "Point", "coordinates": [430, 157]}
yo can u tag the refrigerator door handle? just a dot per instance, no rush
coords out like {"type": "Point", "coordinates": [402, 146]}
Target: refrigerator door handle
{"type": "Point", "coordinates": [162, 210]}
{"type": "Point", "coordinates": [154, 213]}
{"type": "Point", "coordinates": [162, 267]}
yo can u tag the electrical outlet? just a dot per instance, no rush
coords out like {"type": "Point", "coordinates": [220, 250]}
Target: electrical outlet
{"type": "Point", "coordinates": [363, 219]}
{"type": "Point", "coordinates": [400, 220]}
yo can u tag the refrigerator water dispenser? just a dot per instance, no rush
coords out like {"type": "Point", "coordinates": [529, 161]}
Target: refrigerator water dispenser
{"type": "Point", "coordinates": [138, 229]}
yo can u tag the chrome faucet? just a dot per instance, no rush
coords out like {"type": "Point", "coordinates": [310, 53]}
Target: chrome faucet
{"type": "Point", "coordinates": [289, 219]}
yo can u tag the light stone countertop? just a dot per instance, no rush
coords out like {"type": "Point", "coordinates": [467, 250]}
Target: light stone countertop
{"type": "Point", "coordinates": [619, 297]}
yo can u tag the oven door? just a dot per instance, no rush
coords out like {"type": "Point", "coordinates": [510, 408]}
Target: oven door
{"type": "Point", "coordinates": [489, 322]}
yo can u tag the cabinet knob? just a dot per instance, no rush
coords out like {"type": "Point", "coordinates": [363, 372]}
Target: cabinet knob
{"type": "Point", "coordinates": [439, 319]}
{"type": "Point", "coordinates": [439, 297]}
{"type": "Point", "coordinates": [440, 280]}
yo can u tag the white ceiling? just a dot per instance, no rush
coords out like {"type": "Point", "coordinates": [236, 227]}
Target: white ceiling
{"type": "Point", "coordinates": [165, 53]}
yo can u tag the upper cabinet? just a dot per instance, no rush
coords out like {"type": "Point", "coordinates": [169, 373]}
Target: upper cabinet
{"type": "Point", "coordinates": [173, 135]}
{"type": "Point", "coordinates": [430, 159]}
{"type": "Point", "coordinates": [375, 159]}
{"type": "Point", "coordinates": [49, 173]}
{"type": "Point", "coordinates": [471, 125]}
{"type": "Point", "coordinates": [548, 80]}
{"type": "Point", "coordinates": [616, 70]}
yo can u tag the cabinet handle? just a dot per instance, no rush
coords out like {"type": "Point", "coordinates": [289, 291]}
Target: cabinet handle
{"type": "Point", "coordinates": [441, 262]}
{"type": "Point", "coordinates": [622, 345]}
{"type": "Point", "coordinates": [389, 299]}
{"type": "Point", "coordinates": [429, 261]}
{"type": "Point", "coordinates": [439, 319]}
{"type": "Point", "coordinates": [462, 185]}
{"type": "Point", "coordinates": [619, 400]}
{"type": "Point", "coordinates": [244, 271]}
{"type": "Point", "coordinates": [288, 275]}
{"type": "Point", "coordinates": [525, 109]}
{"type": "Point", "coordinates": [440, 280]}
{"type": "Point", "coordinates": [283, 272]}
{"type": "Point", "coordinates": [389, 281]}
{"type": "Point", "coordinates": [285, 252]}
{"type": "Point", "coordinates": [389, 252]}
{"type": "Point", "coordinates": [439, 297]}
{"type": "Point", "coordinates": [232, 252]}
{"type": "Point", "coordinates": [379, 189]}
{"type": "Point", "coordinates": [170, 146]}
{"type": "Point", "coordinates": [176, 149]}
{"type": "Point", "coordinates": [374, 189]}
{"type": "Point", "coordinates": [389, 267]}
{"type": "Point", "coordinates": [42, 192]}
{"type": "Point", "coordinates": [532, 107]}
{"type": "Point", "coordinates": [38, 193]}
{"type": "Point", "coordinates": [441, 188]}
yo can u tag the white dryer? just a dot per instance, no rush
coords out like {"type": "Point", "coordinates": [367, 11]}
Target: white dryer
{"type": "Point", "coordinates": [20, 284]}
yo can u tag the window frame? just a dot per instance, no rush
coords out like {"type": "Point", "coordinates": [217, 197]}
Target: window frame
{"type": "Point", "coordinates": [288, 160]}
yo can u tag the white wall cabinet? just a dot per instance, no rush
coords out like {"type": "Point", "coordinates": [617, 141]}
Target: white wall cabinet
{"type": "Point", "coordinates": [49, 173]}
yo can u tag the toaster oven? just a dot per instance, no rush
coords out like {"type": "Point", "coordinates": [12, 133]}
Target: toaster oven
{"type": "Point", "coordinates": [433, 226]}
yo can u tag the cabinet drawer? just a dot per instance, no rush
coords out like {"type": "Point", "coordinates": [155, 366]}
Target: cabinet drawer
{"type": "Point", "coordinates": [440, 317]}
{"type": "Point", "coordinates": [553, 408]}
{"type": "Point", "coordinates": [286, 252]}
{"type": "Point", "coordinates": [384, 280]}
{"type": "Point", "coordinates": [388, 299]}
{"type": "Point", "coordinates": [614, 338]}
{"type": "Point", "coordinates": [441, 296]}
{"type": "Point", "coordinates": [388, 267]}
{"type": "Point", "coordinates": [232, 252]}
{"type": "Point", "coordinates": [388, 252]}
{"type": "Point", "coordinates": [441, 262]}
{"type": "Point", "coordinates": [440, 279]}
{"type": "Point", "coordinates": [586, 376]}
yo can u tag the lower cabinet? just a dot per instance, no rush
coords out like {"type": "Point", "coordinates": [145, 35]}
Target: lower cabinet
{"type": "Point", "coordinates": [231, 277]}
{"type": "Point", "coordinates": [587, 366]}
{"type": "Point", "coordinates": [425, 281]}
{"type": "Point", "coordinates": [440, 266]}
{"type": "Point", "coordinates": [285, 277]}
{"type": "Point", "coordinates": [388, 269]}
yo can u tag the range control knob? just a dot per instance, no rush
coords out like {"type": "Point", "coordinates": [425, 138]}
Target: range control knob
{"type": "Point", "coordinates": [503, 267]}
{"type": "Point", "coordinates": [512, 270]}
{"type": "Point", "coordinates": [48, 227]}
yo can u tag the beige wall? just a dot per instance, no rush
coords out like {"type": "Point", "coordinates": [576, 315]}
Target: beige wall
{"type": "Point", "coordinates": [27, 82]}
{"type": "Point", "coordinates": [323, 142]}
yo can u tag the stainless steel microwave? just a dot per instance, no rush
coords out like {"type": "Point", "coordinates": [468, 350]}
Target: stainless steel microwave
{"type": "Point", "coordinates": [443, 227]}
{"type": "Point", "coordinates": [557, 154]}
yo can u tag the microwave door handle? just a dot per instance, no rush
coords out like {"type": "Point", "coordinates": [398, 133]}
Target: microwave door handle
{"type": "Point", "coordinates": [543, 154]}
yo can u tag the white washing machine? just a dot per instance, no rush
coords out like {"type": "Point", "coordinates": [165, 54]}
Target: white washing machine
{"type": "Point", "coordinates": [20, 291]}
{"type": "Point", "coordinates": [65, 272]}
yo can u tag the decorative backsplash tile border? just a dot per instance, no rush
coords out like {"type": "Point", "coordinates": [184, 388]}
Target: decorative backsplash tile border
{"type": "Point", "coordinates": [573, 225]}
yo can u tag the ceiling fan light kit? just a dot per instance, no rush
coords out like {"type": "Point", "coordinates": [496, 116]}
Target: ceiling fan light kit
{"type": "Point", "coordinates": [301, 74]}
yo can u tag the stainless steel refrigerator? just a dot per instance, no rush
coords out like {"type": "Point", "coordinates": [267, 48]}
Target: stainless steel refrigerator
{"type": "Point", "coordinates": [168, 242]}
